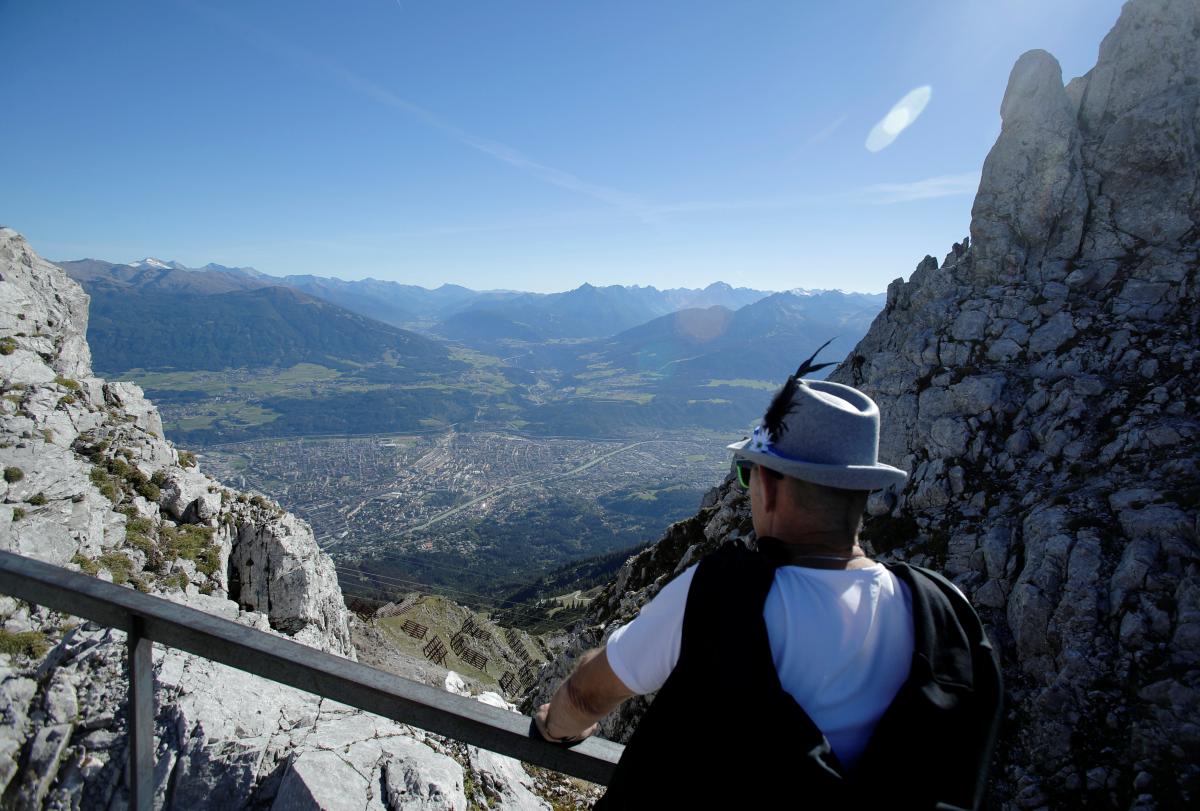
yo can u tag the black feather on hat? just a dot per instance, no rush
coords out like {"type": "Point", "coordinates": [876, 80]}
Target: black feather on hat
{"type": "Point", "coordinates": [779, 408]}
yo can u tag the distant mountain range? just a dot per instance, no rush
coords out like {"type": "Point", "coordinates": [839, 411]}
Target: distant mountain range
{"type": "Point", "coordinates": [593, 361]}
{"type": "Point", "coordinates": [477, 318]}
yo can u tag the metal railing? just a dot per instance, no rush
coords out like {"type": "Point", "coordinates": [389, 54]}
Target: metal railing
{"type": "Point", "coordinates": [148, 619]}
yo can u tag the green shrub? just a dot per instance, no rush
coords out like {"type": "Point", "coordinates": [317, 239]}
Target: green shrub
{"type": "Point", "coordinates": [187, 459]}
{"type": "Point", "coordinates": [143, 525]}
{"type": "Point", "coordinates": [105, 485]}
{"type": "Point", "coordinates": [193, 543]}
{"type": "Point", "coordinates": [66, 400]}
{"type": "Point", "coordinates": [259, 501]}
{"type": "Point", "coordinates": [149, 491]}
{"type": "Point", "coordinates": [13, 474]}
{"type": "Point", "coordinates": [178, 580]}
{"type": "Point", "coordinates": [38, 499]}
{"type": "Point", "coordinates": [88, 565]}
{"type": "Point", "coordinates": [95, 452]}
{"type": "Point", "coordinates": [67, 383]}
{"type": "Point", "coordinates": [18, 513]}
{"type": "Point", "coordinates": [118, 564]}
{"type": "Point", "coordinates": [7, 346]}
{"type": "Point", "coordinates": [139, 542]}
{"type": "Point", "coordinates": [28, 643]}
{"type": "Point", "coordinates": [159, 477]}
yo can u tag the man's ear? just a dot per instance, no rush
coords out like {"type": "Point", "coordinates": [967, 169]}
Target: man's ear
{"type": "Point", "coordinates": [769, 489]}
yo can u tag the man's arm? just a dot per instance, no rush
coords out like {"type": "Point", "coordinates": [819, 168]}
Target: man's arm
{"type": "Point", "coordinates": [592, 692]}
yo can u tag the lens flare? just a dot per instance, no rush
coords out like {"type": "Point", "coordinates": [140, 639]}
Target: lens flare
{"type": "Point", "coordinates": [899, 118]}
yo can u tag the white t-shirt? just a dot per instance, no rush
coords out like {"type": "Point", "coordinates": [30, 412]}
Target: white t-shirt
{"type": "Point", "coordinates": [842, 641]}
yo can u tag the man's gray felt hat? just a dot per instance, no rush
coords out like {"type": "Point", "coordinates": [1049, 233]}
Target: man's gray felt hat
{"type": "Point", "coordinates": [829, 435]}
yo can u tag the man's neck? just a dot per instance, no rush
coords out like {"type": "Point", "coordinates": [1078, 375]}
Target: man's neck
{"type": "Point", "coordinates": [821, 549]}
{"type": "Point", "coordinates": [831, 542]}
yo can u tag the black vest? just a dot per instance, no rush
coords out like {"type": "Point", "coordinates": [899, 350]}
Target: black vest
{"type": "Point", "coordinates": [723, 730]}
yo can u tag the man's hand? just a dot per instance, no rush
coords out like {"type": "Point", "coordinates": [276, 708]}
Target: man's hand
{"type": "Point", "coordinates": [592, 692]}
{"type": "Point", "coordinates": [540, 718]}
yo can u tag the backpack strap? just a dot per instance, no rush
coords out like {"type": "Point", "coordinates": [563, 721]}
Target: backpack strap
{"type": "Point", "coordinates": [935, 742]}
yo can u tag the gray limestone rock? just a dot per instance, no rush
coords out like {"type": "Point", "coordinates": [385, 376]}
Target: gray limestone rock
{"type": "Point", "coordinates": [279, 570]}
{"type": "Point", "coordinates": [320, 780]}
{"type": "Point", "coordinates": [37, 299]}
{"type": "Point", "coordinates": [1032, 197]}
{"type": "Point", "coordinates": [1053, 334]}
{"type": "Point", "coordinates": [416, 778]}
{"type": "Point", "coordinates": [189, 494]}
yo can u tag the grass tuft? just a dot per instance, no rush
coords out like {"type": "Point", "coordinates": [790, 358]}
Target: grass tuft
{"type": "Point", "coordinates": [118, 564]}
{"type": "Point", "coordinates": [27, 643]}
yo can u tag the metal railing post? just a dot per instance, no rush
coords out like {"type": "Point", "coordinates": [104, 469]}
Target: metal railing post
{"type": "Point", "coordinates": [141, 718]}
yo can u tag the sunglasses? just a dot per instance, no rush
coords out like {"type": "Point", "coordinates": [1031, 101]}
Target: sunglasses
{"type": "Point", "coordinates": [743, 472]}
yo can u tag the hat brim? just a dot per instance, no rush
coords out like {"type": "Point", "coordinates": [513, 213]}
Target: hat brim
{"type": "Point", "coordinates": [845, 477]}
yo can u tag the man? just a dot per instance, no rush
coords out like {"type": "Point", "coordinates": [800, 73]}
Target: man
{"type": "Point", "coordinates": [803, 672]}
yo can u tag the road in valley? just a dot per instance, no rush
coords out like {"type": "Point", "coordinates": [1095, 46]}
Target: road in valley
{"type": "Point", "coordinates": [522, 482]}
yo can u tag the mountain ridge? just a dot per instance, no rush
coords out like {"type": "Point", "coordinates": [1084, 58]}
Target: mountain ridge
{"type": "Point", "coordinates": [392, 302]}
{"type": "Point", "coordinates": [262, 326]}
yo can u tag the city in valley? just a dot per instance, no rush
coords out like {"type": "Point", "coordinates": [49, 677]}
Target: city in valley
{"type": "Point", "coordinates": [477, 507]}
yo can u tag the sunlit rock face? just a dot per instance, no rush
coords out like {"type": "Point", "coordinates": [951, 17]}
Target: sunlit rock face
{"type": "Point", "coordinates": [91, 484]}
{"type": "Point", "coordinates": [1040, 387]}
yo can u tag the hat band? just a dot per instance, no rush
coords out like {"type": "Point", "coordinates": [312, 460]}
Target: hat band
{"type": "Point", "coordinates": [760, 441]}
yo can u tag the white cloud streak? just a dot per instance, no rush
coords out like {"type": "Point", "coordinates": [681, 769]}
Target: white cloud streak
{"type": "Point", "coordinates": [825, 132]}
{"type": "Point", "coordinates": [928, 189]}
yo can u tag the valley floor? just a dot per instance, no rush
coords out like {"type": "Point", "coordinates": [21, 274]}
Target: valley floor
{"type": "Point", "coordinates": [478, 510]}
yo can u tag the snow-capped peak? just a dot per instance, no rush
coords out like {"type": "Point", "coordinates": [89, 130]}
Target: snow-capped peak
{"type": "Point", "coordinates": [151, 262]}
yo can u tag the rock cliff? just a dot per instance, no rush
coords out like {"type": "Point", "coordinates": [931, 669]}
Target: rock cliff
{"type": "Point", "coordinates": [91, 484]}
{"type": "Point", "coordinates": [1040, 386]}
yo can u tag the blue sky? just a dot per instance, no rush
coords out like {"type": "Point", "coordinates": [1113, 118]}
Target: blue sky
{"type": "Point", "coordinates": [528, 145]}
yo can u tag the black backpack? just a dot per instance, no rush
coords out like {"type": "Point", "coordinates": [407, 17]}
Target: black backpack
{"type": "Point", "coordinates": [723, 730]}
